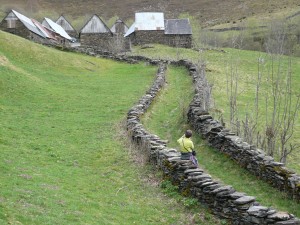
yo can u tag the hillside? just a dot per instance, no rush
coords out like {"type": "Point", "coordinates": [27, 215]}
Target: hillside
{"type": "Point", "coordinates": [62, 161]}
{"type": "Point", "coordinates": [208, 13]}
{"type": "Point", "coordinates": [60, 112]}
{"type": "Point", "coordinates": [219, 63]}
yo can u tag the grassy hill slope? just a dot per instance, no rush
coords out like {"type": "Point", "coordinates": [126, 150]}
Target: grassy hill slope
{"type": "Point", "coordinates": [61, 160]}
{"type": "Point", "coordinates": [220, 65]}
{"type": "Point", "coordinates": [170, 110]}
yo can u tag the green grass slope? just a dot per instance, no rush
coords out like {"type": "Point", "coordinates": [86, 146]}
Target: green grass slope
{"type": "Point", "coordinates": [61, 161]}
{"type": "Point", "coordinates": [170, 109]}
{"type": "Point", "coordinates": [220, 65]}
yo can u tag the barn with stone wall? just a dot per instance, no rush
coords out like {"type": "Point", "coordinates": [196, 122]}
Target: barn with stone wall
{"type": "Point", "coordinates": [148, 28]}
{"type": "Point", "coordinates": [119, 27]}
{"type": "Point", "coordinates": [178, 33]}
{"type": "Point", "coordinates": [152, 28]}
{"type": "Point", "coordinates": [119, 42]}
{"type": "Point", "coordinates": [20, 25]}
{"type": "Point", "coordinates": [95, 34]}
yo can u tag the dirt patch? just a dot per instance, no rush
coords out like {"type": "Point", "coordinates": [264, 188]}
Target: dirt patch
{"type": "Point", "coordinates": [3, 61]}
{"type": "Point", "coordinates": [25, 176]}
{"type": "Point", "coordinates": [50, 187]}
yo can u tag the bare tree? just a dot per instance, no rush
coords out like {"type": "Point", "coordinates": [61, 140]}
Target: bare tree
{"type": "Point", "coordinates": [287, 118]}
{"type": "Point", "coordinates": [283, 106]}
{"type": "Point", "coordinates": [232, 80]}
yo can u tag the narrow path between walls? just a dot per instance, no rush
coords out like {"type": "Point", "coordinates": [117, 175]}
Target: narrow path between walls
{"type": "Point", "coordinates": [224, 201]}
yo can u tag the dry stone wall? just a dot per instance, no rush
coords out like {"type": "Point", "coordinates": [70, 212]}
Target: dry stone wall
{"type": "Point", "coordinates": [223, 200]}
{"type": "Point", "coordinates": [246, 155]}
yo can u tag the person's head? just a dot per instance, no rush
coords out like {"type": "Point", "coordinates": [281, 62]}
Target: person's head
{"type": "Point", "coordinates": [188, 134]}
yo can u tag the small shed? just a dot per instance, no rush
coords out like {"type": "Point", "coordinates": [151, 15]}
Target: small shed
{"type": "Point", "coordinates": [62, 21]}
{"type": "Point", "coordinates": [20, 25]}
{"type": "Point", "coordinates": [178, 33]}
{"type": "Point", "coordinates": [95, 33]}
{"type": "Point", "coordinates": [119, 43]}
{"type": "Point", "coordinates": [60, 34]}
{"type": "Point", "coordinates": [119, 27]}
{"type": "Point", "coordinates": [147, 28]}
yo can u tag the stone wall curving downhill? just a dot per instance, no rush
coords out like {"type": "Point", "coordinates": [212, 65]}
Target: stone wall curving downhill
{"type": "Point", "coordinates": [223, 200]}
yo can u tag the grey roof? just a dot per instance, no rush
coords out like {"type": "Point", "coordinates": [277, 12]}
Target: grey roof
{"type": "Point", "coordinates": [57, 28]}
{"type": "Point", "coordinates": [64, 23]}
{"type": "Point", "coordinates": [178, 26]}
{"type": "Point", "coordinates": [27, 23]}
{"type": "Point", "coordinates": [147, 21]}
{"type": "Point", "coordinates": [95, 25]}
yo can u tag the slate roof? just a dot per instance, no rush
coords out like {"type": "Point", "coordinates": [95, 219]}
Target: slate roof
{"type": "Point", "coordinates": [178, 26]}
{"type": "Point", "coordinates": [95, 25]}
{"type": "Point", "coordinates": [64, 23]}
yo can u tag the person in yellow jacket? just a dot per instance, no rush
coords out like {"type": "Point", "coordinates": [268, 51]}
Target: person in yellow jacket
{"type": "Point", "coordinates": [186, 145]}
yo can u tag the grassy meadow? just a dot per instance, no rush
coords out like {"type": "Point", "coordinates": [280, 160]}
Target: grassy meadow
{"type": "Point", "coordinates": [170, 110]}
{"type": "Point", "coordinates": [63, 158]}
{"type": "Point", "coordinates": [221, 63]}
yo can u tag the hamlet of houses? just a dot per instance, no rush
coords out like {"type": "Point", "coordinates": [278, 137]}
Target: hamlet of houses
{"type": "Point", "coordinates": [148, 28]}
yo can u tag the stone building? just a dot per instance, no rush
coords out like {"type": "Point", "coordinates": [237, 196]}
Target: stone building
{"type": "Point", "coordinates": [95, 34]}
{"type": "Point", "coordinates": [63, 22]}
{"type": "Point", "coordinates": [119, 27]}
{"type": "Point", "coordinates": [20, 25]}
{"type": "Point", "coordinates": [119, 42]}
{"type": "Point", "coordinates": [150, 27]}
{"type": "Point", "coordinates": [147, 28]}
{"type": "Point", "coordinates": [178, 33]}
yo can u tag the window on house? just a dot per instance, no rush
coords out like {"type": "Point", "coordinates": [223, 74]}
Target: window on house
{"type": "Point", "coordinates": [11, 24]}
